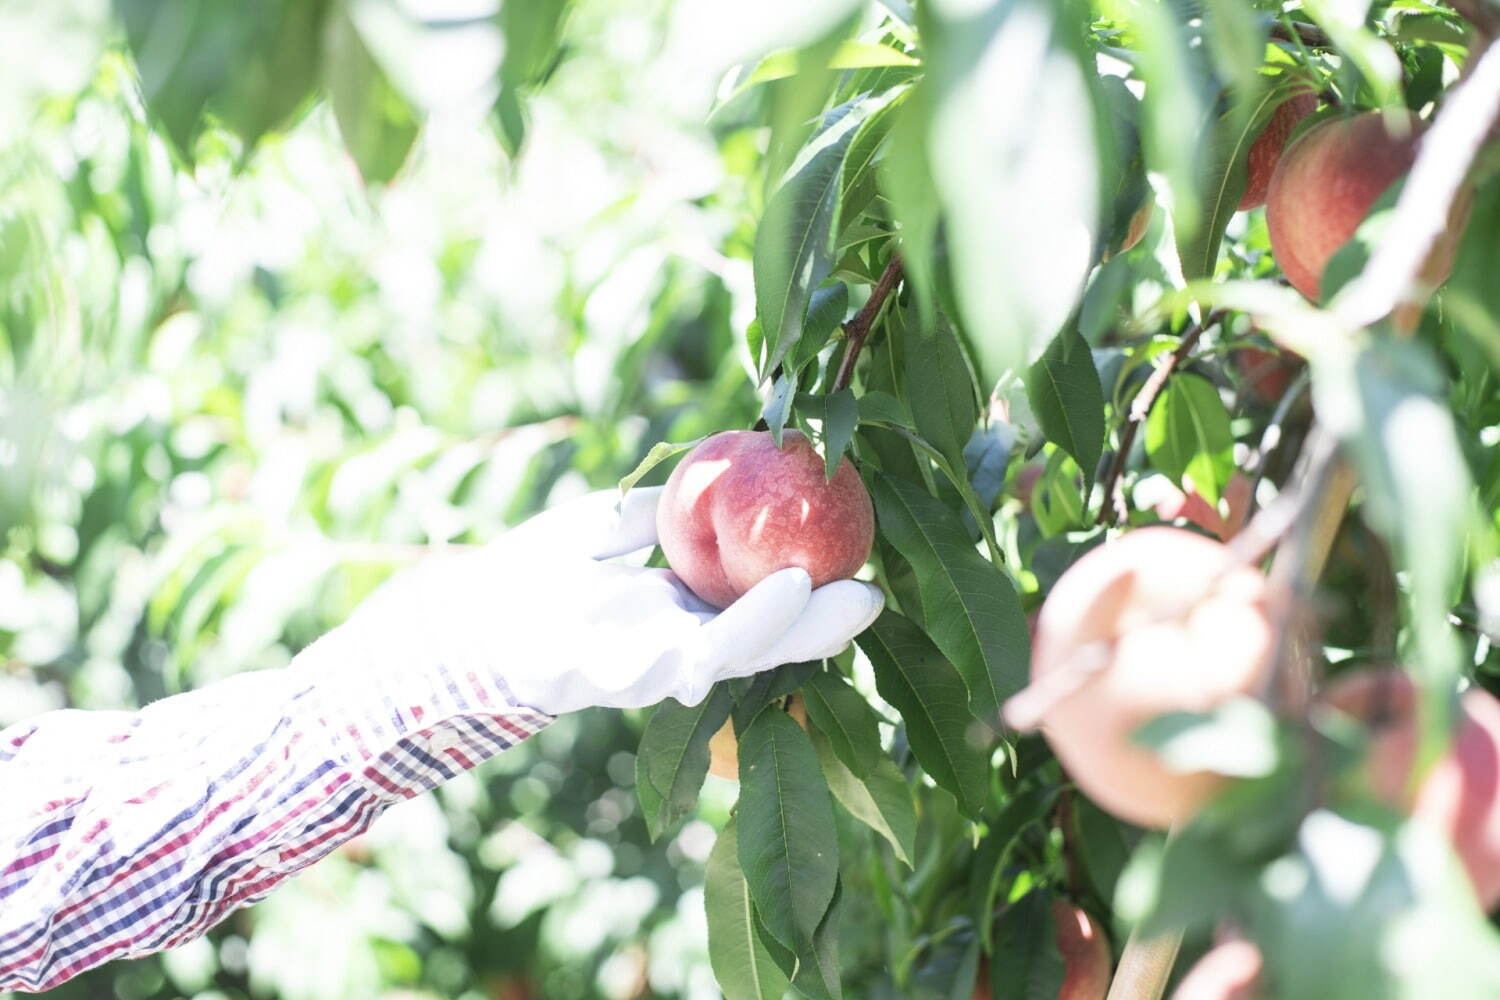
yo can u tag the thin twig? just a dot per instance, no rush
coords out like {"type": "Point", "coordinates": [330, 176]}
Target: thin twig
{"type": "Point", "coordinates": [1113, 510]}
{"type": "Point", "coordinates": [1308, 34]}
{"type": "Point", "coordinates": [858, 329]}
{"type": "Point", "coordinates": [1145, 966]}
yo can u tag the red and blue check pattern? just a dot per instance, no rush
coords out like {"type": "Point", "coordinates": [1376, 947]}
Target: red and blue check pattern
{"type": "Point", "coordinates": [125, 833]}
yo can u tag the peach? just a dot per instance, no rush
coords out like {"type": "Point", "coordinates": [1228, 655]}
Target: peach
{"type": "Point", "coordinates": [1265, 151]}
{"type": "Point", "coordinates": [1085, 952]}
{"type": "Point", "coordinates": [1326, 184]}
{"type": "Point", "coordinates": [737, 509]}
{"type": "Point", "coordinates": [1230, 971]}
{"type": "Point", "coordinates": [1195, 509]}
{"type": "Point", "coordinates": [1460, 795]}
{"type": "Point", "coordinates": [1268, 374]}
{"type": "Point", "coordinates": [724, 748]}
{"type": "Point", "coordinates": [1158, 621]}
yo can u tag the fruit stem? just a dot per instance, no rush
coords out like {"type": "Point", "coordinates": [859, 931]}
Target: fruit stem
{"type": "Point", "coordinates": [857, 330]}
{"type": "Point", "coordinates": [1112, 509]}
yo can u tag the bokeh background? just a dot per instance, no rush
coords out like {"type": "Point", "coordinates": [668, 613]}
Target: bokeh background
{"type": "Point", "coordinates": [234, 396]}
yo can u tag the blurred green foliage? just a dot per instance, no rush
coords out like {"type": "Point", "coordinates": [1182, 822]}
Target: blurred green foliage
{"type": "Point", "coordinates": [234, 396]}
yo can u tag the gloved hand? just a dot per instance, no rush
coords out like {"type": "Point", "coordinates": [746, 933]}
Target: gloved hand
{"type": "Point", "coordinates": [544, 611]}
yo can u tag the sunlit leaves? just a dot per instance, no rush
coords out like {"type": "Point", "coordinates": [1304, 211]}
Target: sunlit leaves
{"type": "Point", "coordinates": [251, 64]}
{"type": "Point", "coordinates": [882, 799]}
{"type": "Point", "coordinates": [531, 29]}
{"type": "Point", "coordinates": [377, 124]}
{"type": "Point", "coordinates": [1068, 401]}
{"type": "Point", "coordinates": [1188, 435]}
{"type": "Point", "coordinates": [794, 244]}
{"type": "Point", "coordinates": [845, 719]}
{"type": "Point", "coordinates": [1021, 214]}
{"type": "Point", "coordinates": [941, 389]}
{"type": "Point", "coordinates": [658, 454]}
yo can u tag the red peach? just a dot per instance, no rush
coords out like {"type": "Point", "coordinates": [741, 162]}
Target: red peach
{"type": "Point", "coordinates": [1267, 374]}
{"type": "Point", "coordinates": [1158, 621]}
{"type": "Point", "coordinates": [1460, 795]}
{"type": "Point", "coordinates": [737, 509]}
{"type": "Point", "coordinates": [1325, 185]}
{"type": "Point", "coordinates": [1265, 151]}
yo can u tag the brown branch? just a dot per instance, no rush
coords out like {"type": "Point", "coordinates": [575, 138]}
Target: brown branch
{"type": "Point", "coordinates": [1145, 966]}
{"type": "Point", "coordinates": [1112, 510]}
{"type": "Point", "coordinates": [1310, 35]}
{"type": "Point", "coordinates": [857, 330]}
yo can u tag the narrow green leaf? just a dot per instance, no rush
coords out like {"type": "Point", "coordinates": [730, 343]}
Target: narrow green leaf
{"type": "Point", "coordinates": [788, 845]}
{"type": "Point", "coordinates": [672, 760]}
{"type": "Point", "coordinates": [779, 405]}
{"type": "Point", "coordinates": [846, 719]}
{"type": "Point", "coordinates": [376, 123]}
{"type": "Point", "coordinates": [744, 968]}
{"type": "Point", "coordinates": [1068, 401]}
{"type": "Point", "coordinates": [531, 30]}
{"type": "Point", "coordinates": [1026, 963]}
{"type": "Point", "coordinates": [794, 245]}
{"type": "Point", "coordinates": [1188, 435]}
{"type": "Point", "coordinates": [825, 313]}
{"type": "Point", "coordinates": [912, 675]}
{"type": "Point", "coordinates": [658, 454]}
{"type": "Point", "coordinates": [818, 970]}
{"type": "Point", "coordinates": [860, 181]}
{"type": "Point", "coordinates": [907, 182]}
{"type": "Point", "coordinates": [881, 800]}
{"type": "Point", "coordinates": [883, 408]}
{"type": "Point", "coordinates": [940, 387]}
{"type": "Point", "coordinates": [969, 607]}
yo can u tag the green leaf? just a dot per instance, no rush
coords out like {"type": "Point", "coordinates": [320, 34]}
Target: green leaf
{"type": "Point", "coordinates": [1237, 738]}
{"type": "Point", "coordinates": [658, 454]}
{"type": "Point", "coordinates": [848, 55]}
{"type": "Point", "coordinates": [907, 182]}
{"type": "Point", "coordinates": [253, 65]}
{"type": "Point", "coordinates": [940, 387]}
{"type": "Point", "coordinates": [788, 846]}
{"type": "Point", "coordinates": [881, 800]}
{"type": "Point", "coordinates": [1223, 179]}
{"type": "Point", "coordinates": [1188, 435]}
{"type": "Point", "coordinates": [883, 408]}
{"type": "Point", "coordinates": [1020, 214]}
{"type": "Point", "coordinates": [860, 181]}
{"type": "Point", "coordinates": [672, 760]}
{"type": "Point", "coordinates": [992, 859]}
{"type": "Point", "coordinates": [987, 459]}
{"type": "Point", "coordinates": [376, 123]}
{"type": "Point", "coordinates": [912, 675]}
{"type": "Point", "coordinates": [825, 314]}
{"type": "Point", "coordinates": [531, 29]}
{"type": "Point", "coordinates": [846, 719]}
{"type": "Point", "coordinates": [1026, 963]}
{"type": "Point", "coordinates": [837, 414]}
{"type": "Point", "coordinates": [1068, 401]}
{"type": "Point", "coordinates": [794, 245]}
{"type": "Point", "coordinates": [741, 963]}
{"type": "Point", "coordinates": [778, 406]}
{"type": "Point", "coordinates": [818, 971]}
{"type": "Point", "coordinates": [969, 607]}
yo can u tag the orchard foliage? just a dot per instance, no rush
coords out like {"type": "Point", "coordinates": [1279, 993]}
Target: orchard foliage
{"type": "Point", "coordinates": [926, 253]}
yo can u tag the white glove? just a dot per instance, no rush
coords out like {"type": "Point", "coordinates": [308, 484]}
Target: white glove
{"type": "Point", "coordinates": [542, 613]}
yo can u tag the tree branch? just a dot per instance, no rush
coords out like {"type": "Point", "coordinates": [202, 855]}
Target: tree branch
{"type": "Point", "coordinates": [1113, 509]}
{"type": "Point", "coordinates": [1307, 34]}
{"type": "Point", "coordinates": [857, 330]}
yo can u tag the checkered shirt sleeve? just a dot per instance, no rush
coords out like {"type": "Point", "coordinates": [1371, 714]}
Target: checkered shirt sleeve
{"type": "Point", "coordinates": [125, 833]}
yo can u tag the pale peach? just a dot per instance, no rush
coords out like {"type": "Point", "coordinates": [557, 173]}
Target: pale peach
{"type": "Point", "coordinates": [1162, 620]}
{"type": "Point", "coordinates": [1230, 971]}
{"type": "Point", "coordinates": [724, 748]}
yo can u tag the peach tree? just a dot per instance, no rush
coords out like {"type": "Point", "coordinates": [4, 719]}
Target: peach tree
{"type": "Point", "coordinates": [1047, 273]}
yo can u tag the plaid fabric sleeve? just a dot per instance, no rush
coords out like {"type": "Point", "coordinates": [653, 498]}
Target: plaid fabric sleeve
{"type": "Point", "coordinates": [125, 833]}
